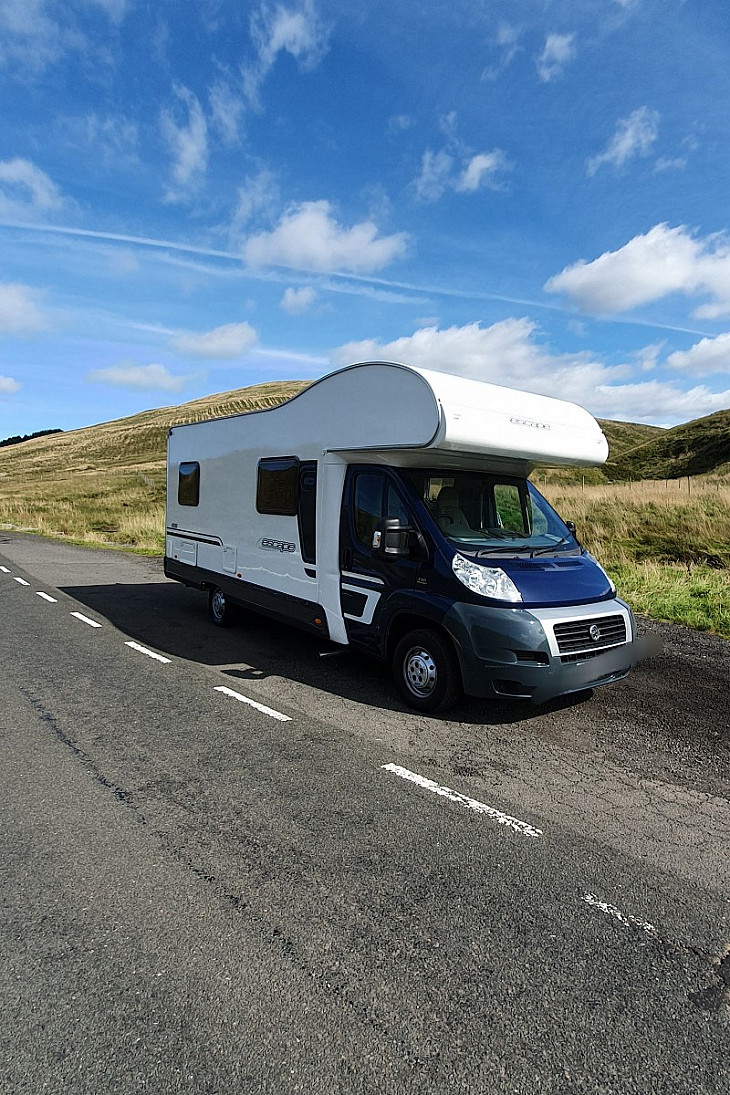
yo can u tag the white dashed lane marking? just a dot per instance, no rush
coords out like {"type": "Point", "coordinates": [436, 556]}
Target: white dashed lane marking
{"type": "Point", "coordinates": [149, 653]}
{"type": "Point", "coordinates": [252, 703]}
{"type": "Point", "coordinates": [513, 823]}
{"type": "Point", "coordinates": [46, 597]}
{"type": "Point", "coordinates": [623, 918]}
{"type": "Point", "coordinates": [20, 581]}
{"type": "Point", "coordinates": [4, 570]}
{"type": "Point", "coordinates": [85, 619]}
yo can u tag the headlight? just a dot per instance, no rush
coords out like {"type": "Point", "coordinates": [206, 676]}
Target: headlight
{"type": "Point", "coordinates": [487, 581]}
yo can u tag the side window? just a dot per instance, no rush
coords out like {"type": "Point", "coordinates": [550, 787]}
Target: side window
{"type": "Point", "coordinates": [509, 508]}
{"type": "Point", "coordinates": [277, 486]}
{"type": "Point", "coordinates": [188, 483]}
{"type": "Point", "coordinates": [308, 511]}
{"type": "Point", "coordinates": [537, 518]}
{"type": "Point", "coordinates": [368, 505]}
{"type": "Point", "coordinates": [394, 505]}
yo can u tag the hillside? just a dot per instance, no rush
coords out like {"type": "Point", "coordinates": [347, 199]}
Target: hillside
{"type": "Point", "coordinates": [700, 447]}
{"type": "Point", "coordinates": [106, 484]}
{"type": "Point", "coordinates": [622, 437]}
{"type": "Point", "coordinates": [137, 440]}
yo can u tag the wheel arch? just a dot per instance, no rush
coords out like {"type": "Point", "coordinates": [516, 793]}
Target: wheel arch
{"type": "Point", "coordinates": [404, 622]}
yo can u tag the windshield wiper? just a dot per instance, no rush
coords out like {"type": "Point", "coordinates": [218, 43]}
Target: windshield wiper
{"type": "Point", "coordinates": [514, 549]}
{"type": "Point", "coordinates": [551, 547]}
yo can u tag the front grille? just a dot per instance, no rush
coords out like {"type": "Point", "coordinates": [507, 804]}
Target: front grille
{"type": "Point", "coordinates": [581, 656]}
{"type": "Point", "coordinates": [575, 636]}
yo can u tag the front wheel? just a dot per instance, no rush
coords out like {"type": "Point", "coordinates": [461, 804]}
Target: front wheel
{"type": "Point", "coordinates": [426, 671]}
{"type": "Point", "coordinates": [220, 610]}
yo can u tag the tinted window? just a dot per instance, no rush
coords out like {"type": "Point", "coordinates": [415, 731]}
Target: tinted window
{"type": "Point", "coordinates": [394, 505]}
{"type": "Point", "coordinates": [277, 486]}
{"type": "Point", "coordinates": [308, 511]}
{"type": "Point", "coordinates": [368, 505]}
{"type": "Point", "coordinates": [188, 484]}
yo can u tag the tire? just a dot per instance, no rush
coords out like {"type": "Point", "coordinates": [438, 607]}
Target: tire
{"type": "Point", "coordinates": [426, 671]}
{"type": "Point", "coordinates": [220, 610]}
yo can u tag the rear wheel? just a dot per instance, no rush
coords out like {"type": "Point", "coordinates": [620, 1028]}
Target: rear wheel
{"type": "Point", "coordinates": [219, 608]}
{"type": "Point", "coordinates": [426, 671]}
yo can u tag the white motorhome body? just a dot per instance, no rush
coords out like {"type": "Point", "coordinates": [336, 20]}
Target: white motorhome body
{"type": "Point", "coordinates": [261, 512]}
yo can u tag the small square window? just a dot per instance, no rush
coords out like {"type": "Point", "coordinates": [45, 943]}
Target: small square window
{"type": "Point", "coordinates": [188, 484]}
{"type": "Point", "coordinates": [277, 486]}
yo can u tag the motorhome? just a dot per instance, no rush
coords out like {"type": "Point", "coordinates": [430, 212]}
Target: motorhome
{"type": "Point", "coordinates": [388, 508]}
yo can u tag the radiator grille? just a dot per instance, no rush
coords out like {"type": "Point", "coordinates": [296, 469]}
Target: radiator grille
{"type": "Point", "coordinates": [590, 635]}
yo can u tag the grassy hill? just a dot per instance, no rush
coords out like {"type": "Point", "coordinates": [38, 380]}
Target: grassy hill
{"type": "Point", "coordinates": [622, 437]}
{"type": "Point", "coordinates": [105, 484]}
{"type": "Point", "coordinates": [700, 447]}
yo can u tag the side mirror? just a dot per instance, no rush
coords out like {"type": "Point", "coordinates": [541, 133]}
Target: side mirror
{"type": "Point", "coordinates": [397, 540]}
{"type": "Point", "coordinates": [570, 525]}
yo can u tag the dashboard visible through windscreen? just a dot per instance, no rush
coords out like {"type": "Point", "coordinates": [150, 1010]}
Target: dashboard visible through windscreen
{"type": "Point", "coordinates": [490, 514]}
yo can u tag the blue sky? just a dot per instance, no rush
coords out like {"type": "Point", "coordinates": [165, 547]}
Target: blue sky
{"type": "Point", "coordinates": [197, 195]}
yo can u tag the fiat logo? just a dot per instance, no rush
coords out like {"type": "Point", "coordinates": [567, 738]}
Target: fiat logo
{"type": "Point", "coordinates": [595, 632]}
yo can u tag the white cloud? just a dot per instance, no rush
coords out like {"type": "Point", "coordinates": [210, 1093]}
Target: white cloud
{"type": "Point", "coordinates": [141, 377]}
{"type": "Point", "coordinates": [507, 41]}
{"type": "Point", "coordinates": [8, 386]}
{"type": "Point", "coordinates": [298, 31]}
{"type": "Point", "coordinates": [26, 191]}
{"type": "Point", "coordinates": [115, 9]}
{"type": "Point", "coordinates": [188, 144]}
{"type": "Point", "coordinates": [257, 194]}
{"type": "Point", "coordinates": [634, 136]}
{"type": "Point", "coordinates": [35, 34]}
{"type": "Point", "coordinates": [19, 313]}
{"type": "Point", "coordinates": [31, 39]}
{"type": "Point", "coordinates": [232, 340]}
{"type": "Point", "coordinates": [670, 163]}
{"type": "Point", "coordinates": [226, 110]}
{"type": "Point", "coordinates": [114, 140]}
{"type": "Point", "coordinates": [656, 401]}
{"type": "Point", "coordinates": [480, 169]}
{"type": "Point", "coordinates": [439, 172]}
{"type": "Point", "coordinates": [296, 301]}
{"type": "Point", "coordinates": [457, 167]}
{"type": "Point", "coordinates": [665, 260]}
{"type": "Point", "coordinates": [309, 238]}
{"type": "Point", "coordinates": [504, 353]}
{"type": "Point", "coordinates": [558, 51]}
{"type": "Point", "coordinates": [709, 355]}
{"type": "Point", "coordinates": [436, 175]}
{"type": "Point", "coordinates": [508, 353]}
{"type": "Point", "coordinates": [399, 123]}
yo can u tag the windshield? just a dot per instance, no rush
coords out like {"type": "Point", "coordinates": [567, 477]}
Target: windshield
{"type": "Point", "coordinates": [490, 514]}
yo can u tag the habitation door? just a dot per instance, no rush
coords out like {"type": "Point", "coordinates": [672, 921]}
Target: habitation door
{"type": "Point", "coordinates": [372, 585]}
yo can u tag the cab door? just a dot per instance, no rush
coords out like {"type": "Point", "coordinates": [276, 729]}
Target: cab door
{"type": "Point", "coordinates": [373, 585]}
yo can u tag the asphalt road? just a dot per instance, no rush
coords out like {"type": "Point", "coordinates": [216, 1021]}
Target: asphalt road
{"type": "Point", "coordinates": [201, 895]}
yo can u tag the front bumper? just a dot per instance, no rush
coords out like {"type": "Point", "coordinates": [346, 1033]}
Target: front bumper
{"type": "Point", "coordinates": [512, 651]}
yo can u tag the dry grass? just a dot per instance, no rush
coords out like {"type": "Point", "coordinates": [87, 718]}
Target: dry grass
{"type": "Point", "coordinates": [105, 485]}
{"type": "Point", "coordinates": [121, 509]}
{"type": "Point", "coordinates": [666, 544]}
